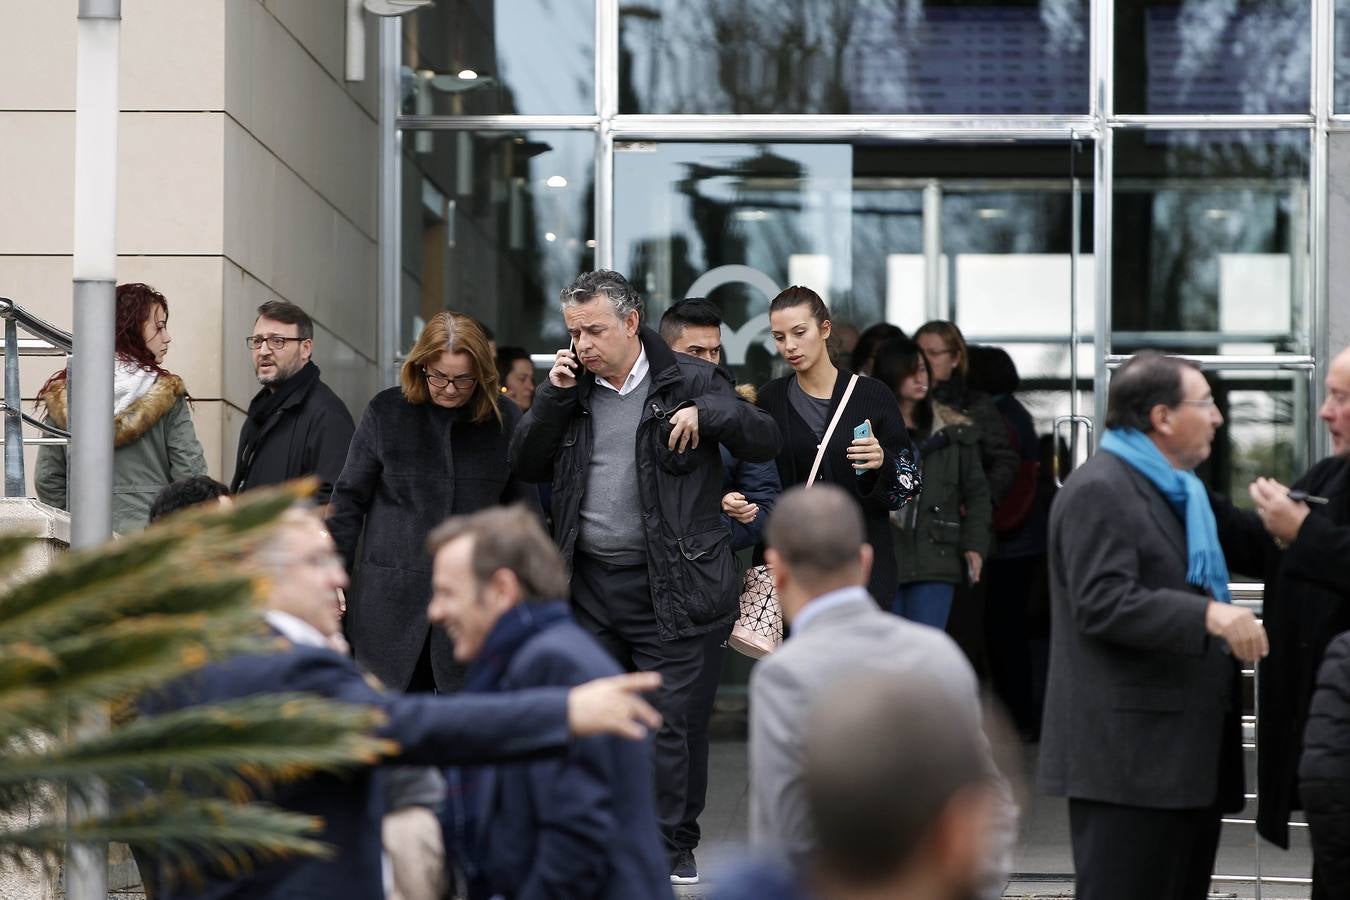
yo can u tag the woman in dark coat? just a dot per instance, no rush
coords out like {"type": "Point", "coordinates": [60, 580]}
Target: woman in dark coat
{"type": "Point", "coordinates": [880, 471]}
{"type": "Point", "coordinates": [945, 348]}
{"type": "Point", "coordinates": [431, 448]}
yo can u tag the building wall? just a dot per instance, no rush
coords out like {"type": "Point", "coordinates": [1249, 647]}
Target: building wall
{"type": "Point", "coordinates": [247, 172]}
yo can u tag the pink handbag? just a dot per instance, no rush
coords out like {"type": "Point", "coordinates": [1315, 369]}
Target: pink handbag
{"type": "Point", "coordinates": [759, 629]}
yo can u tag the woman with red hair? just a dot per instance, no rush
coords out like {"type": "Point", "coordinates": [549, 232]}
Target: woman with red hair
{"type": "Point", "coordinates": [155, 443]}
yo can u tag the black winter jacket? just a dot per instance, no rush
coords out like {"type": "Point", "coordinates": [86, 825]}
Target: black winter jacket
{"type": "Point", "coordinates": [1326, 740]}
{"type": "Point", "coordinates": [691, 570]}
{"type": "Point", "coordinates": [879, 491]}
{"type": "Point", "coordinates": [997, 455]}
{"type": "Point", "coordinates": [308, 435]}
{"type": "Point", "coordinates": [410, 467]}
{"type": "Point", "coordinates": [1307, 603]}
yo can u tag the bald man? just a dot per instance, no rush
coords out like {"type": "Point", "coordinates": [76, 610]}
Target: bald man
{"type": "Point", "coordinates": [1300, 547]}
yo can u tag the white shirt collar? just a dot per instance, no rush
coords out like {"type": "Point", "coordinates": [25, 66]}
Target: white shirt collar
{"type": "Point", "coordinates": [295, 630]}
{"type": "Point", "coordinates": [639, 372]}
{"type": "Point", "coordinates": [825, 602]}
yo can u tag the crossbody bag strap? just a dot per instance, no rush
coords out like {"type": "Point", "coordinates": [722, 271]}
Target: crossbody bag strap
{"type": "Point", "coordinates": [829, 432]}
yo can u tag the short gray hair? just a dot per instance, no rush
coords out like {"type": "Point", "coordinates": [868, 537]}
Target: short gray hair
{"type": "Point", "coordinates": [794, 530]}
{"type": "Point", "coordinates": [607, 283]}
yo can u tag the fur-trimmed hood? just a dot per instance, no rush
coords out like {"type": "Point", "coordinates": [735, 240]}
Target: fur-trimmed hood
{"type": "Point", "coordinates": [945, 416]}
{"type": "Point", "coordinates": [132, 422]}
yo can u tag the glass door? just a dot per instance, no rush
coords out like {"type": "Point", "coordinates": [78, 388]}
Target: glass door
{"type": "Point", "coordinates": [995, 237]}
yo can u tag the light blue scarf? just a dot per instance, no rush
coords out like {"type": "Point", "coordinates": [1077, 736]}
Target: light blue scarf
{"type": "Point", "coordinates": [1206, 567]}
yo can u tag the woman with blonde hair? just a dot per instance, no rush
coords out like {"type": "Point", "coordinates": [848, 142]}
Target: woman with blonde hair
{"type": "Point", "coordinates": [431, 448]}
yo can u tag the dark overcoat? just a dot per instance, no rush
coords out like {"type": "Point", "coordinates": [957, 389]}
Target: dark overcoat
{"type": "Point", "coordinates": [426, 729]}
{"type": "Point", "coordinates": [1141, 704]}
{"type": "Point", "coordinates": [410, 467]}
{"type": "Point", "coordinates": [1307, 603]}
{"type": "Point", "coordinates": [307, 435]}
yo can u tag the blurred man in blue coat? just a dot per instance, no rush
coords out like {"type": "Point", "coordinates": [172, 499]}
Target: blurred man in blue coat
{"type": "Point", "coordinates": [579, 825]}
{"type": "Point", "coordinates": [305, 573]}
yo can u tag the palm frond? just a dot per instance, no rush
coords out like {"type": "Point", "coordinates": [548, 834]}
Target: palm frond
{"type": "Point", "coordinates": [41, 687]}
{"type": "Point", "coordinates": [180, 830]}
{"type": "Point", "coordinates": [254, 741]}
{"type": "Point", "coordinates": [11, 545]}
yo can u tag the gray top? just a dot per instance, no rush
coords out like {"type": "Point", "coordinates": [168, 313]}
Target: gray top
{"type": "Point", "coordinates": [611, 511]}
{"type": "Point", "coordinates": [814, 411]}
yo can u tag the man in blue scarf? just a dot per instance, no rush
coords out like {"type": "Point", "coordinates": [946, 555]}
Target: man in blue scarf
{"type": "Point", "coordinates": [579, 825]}
{"type": "Point", "coordinates": [1142, 714]}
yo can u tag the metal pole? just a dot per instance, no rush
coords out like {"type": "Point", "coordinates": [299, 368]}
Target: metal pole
{"type": "Point", "coordinates": [91, 366]}
{"type": "Point", "coordinates": [390, 193]}
{"type": "Point", "coordinates": [14, 480]}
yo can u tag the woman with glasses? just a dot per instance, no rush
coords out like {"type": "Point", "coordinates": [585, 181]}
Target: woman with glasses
{"type": "Point", "coordinates": [153, 436]}
{"type": "Point", "coordinates": [944, 347]}
{"type": "Point", "coordinates": [433, 447]}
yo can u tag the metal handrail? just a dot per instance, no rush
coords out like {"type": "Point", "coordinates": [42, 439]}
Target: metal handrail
{"type": "Point", "coordinates": [51, 341]}
{"type": "Point", "coordinates": [37, 327]}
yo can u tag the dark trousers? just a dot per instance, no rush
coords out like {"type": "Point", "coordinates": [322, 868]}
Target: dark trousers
{"type": "Point", "coordinates": [614, 604]}
{"type": "Point", "coordinates": [701, 702]}
{"type": "Point", "coordinates": [1327, 806]}
{"type": "Point", "coordinates": [1131, 852]}
{"type": "Point", "coordinates": [1007, 636]}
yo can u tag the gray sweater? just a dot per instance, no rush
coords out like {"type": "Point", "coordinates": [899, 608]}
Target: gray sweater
{"type": "Point", "coordinates": [611, 510]}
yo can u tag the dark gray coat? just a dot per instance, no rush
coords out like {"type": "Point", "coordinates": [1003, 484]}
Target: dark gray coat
{"type": "Point", "coordinates": [409, 468]}
{"type": "Point", "coordinates": [1141, 707]}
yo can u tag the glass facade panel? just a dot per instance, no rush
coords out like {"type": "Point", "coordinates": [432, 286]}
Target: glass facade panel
{"type": "Point", "coordinates": [494, 225]}
{"type": "Point", "coordinates": [1264, 433]}
{"type": "Point", "coordinates": [1251, 57]}
{"type": "Point", "coordinates": [1210, 241]}
{"type": "Point", "coordinates": [1341, 57]}
{"type": "Point", "coordinates": [500, 57]}
{"type": "Point", "coordinates": [854, 56]}
{"type": "Point", "coordinates": [737, 222]}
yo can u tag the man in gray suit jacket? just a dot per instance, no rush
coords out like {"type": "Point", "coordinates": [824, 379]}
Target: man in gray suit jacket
{"type": "Point", "coordinates": [1141, 728]}
{"type": "Point", "coordinates": [838, 631]}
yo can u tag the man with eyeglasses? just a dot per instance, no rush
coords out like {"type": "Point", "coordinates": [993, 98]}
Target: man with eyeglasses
{"type": "Point", "coordinates": [1142, 715]}
{"type": "Point", "coordinates": [295, 425]}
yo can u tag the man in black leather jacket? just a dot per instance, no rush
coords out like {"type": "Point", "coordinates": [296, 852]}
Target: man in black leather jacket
{"type": "Point", "coordinates": [627, 431]}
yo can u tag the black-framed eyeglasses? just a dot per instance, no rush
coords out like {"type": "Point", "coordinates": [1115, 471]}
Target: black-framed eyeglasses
{"type": "Point", "coordinates": [462, 382]}
{"type": "Point", "coordinates": [275, 341]}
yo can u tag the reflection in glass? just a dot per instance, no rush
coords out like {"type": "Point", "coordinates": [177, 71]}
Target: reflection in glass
{"type": "Point", "coordinates": [1264, 434]}
{"type": "Point", "coordinates": [854, 56]}
{"type": "Point", "coordinates": [494, 225]}
{"type": "Point", "coordinates": [500, 57]}
{"type": "Point", "coordinates": [1341, 57]}
{"type": "Point", "coordinates": [1210, 238]}
{"type": "Point", "coordinates": [1197, 56]}
{"type": "Point", "coordinates": [737, 222]}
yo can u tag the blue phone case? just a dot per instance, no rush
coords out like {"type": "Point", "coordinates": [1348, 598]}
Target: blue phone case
{"type": "Point", "coordinates": [862, 431]}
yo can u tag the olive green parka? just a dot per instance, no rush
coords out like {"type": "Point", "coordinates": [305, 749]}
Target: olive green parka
{"type": "Point", "coordinates": [932, 534]}
{"type": "Point", "coordinates": [155, 444]}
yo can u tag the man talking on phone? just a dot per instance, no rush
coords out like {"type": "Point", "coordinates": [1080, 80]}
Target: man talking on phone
{"type": "Point", "coordinates": [627, 431]}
